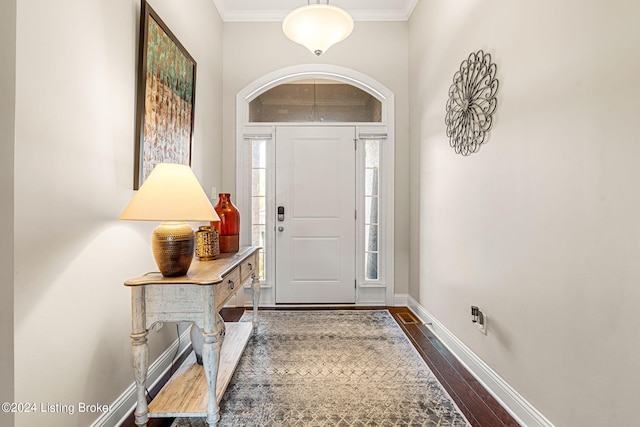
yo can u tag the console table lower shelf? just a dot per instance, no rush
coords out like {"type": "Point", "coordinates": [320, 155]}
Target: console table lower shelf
{"type": "Point", "coordinates": [186, 393]}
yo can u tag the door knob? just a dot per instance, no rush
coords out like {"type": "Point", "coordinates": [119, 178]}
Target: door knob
{"type": "Point", "coordinates": [281, 228]}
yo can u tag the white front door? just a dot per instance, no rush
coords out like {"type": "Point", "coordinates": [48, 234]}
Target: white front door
{"type": "Point", "coordinates": [315, 215]}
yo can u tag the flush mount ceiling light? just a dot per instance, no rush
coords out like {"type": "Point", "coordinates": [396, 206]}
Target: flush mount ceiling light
{"type": "Point", "coordinates": [318, 26]}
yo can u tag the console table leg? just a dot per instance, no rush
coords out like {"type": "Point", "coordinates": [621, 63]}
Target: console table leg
{"type": "Point", "coordinates": [140, 360]}
{"type": "Point", "coordinates": [139, 355]}
{"type": "Point", "coordinates": [255, 286]}
{"type": "Point", "coordinates": [211, 347]}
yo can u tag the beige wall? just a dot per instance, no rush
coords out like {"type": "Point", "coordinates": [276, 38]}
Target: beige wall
{"type": "Point", "coordinates": [74, 132]}
{"type": "Point", "coordinates": [540, 228]}
{"type": "Point", "coordinates": [7, 117]}
{"type": "Point", "coordinates": [376, 49]}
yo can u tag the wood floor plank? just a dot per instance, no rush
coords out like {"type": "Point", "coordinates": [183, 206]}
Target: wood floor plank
{"type": "Point", "coordinates": [475, 402]}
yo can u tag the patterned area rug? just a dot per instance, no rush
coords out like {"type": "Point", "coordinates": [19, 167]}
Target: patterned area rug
{"type": "Point", "coordinates": [333, 369]}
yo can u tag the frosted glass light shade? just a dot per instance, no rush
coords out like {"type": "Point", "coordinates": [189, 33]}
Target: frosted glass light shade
{"type": "Point", "coordinates": [318, 26]}
{"type": "Point", "coordinates": [170, 193]}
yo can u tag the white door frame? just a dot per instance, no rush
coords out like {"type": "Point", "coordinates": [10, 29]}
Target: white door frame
{"type": "Point", "coordinates": [382, 291]}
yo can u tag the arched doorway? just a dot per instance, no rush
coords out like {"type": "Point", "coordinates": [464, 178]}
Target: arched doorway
{"type": "Point", "coordinates": [307, 106]}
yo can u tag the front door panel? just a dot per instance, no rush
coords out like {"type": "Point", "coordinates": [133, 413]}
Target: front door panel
{"type": "Point", "coordinates": [315, 218]}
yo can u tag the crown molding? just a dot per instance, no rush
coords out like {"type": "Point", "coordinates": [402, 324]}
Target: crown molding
{"type": "Point", "coordinates": [264, 15]}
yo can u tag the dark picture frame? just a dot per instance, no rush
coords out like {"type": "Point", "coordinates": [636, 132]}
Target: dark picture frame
{"type": "Point", "coordinates": [166, 91]}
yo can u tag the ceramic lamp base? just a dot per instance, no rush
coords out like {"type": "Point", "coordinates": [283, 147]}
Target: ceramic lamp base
{"type": "Point", "coordinates": [173, 244]}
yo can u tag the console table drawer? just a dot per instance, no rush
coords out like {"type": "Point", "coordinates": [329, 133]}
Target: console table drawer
{"type": "Point", "coordinates": [248, 267]}
{"type": "Point", "coordinates": [229, 286]}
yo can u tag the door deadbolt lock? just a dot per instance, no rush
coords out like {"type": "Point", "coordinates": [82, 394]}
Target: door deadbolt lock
{"type": "Point", "coordinates": [280, 213]}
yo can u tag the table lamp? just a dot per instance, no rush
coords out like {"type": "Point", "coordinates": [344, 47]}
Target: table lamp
{"type": "Point", "coordinates": [171, 194]}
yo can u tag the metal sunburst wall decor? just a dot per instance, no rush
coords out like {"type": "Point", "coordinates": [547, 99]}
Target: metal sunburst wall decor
{"type": "Point", "coordinates": [472, 102]}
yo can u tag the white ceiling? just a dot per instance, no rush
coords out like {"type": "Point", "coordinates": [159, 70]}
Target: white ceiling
{"type": "Point", "coordinates": [276, 10]}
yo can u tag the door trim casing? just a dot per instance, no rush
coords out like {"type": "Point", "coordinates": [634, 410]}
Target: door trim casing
{"type": "Point", "coordinates": [381, 293]}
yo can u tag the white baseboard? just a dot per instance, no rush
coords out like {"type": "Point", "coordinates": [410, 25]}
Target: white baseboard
{"type": "Point", "coordinates": [400, 300]}
{"type": "Point", "coordinates": [507, 396]}
{"type": "Point", "coordinates": [122, 407]}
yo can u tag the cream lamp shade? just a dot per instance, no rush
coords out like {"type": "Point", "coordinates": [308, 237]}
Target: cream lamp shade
{"type": "Point", "coordinates": [173, 195]}
{"type": "Point", "coordinates": [318, 26]}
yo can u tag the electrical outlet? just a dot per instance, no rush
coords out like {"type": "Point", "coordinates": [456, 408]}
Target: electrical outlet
{"type": "Point", "coordinates": [479, 318]}
{"type": "Point", "coordinates": [482, 323]}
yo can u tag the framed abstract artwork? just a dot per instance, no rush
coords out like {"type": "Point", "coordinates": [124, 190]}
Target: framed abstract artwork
{"type": "Point", "coordinates": [165, 98]}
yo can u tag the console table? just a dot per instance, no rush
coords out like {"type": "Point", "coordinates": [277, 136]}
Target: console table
{"type": "Point", "coordinates": [193, 391]}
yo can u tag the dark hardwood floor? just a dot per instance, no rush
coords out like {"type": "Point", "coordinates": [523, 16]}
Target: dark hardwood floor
{"type": "Point", "coordinates": [480, 408]}
{"type": "Point", "coordinates": [475, 402]}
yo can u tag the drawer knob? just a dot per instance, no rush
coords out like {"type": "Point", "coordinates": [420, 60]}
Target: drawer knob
{"type": "Point", "coordinates": [231, 284]}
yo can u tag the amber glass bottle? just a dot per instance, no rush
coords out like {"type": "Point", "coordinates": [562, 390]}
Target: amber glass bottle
{"type": "Point", "coordinates": [229, 224]}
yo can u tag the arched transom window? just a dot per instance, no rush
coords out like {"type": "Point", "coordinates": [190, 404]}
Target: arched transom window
{"type": "Point", "coordinates": [315, 100]}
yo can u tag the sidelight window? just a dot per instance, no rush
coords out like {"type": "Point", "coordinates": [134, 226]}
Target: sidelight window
{"type": "Point", "coordinates": [259, 198]}
{"type": "Point", "coordinates": [371, 209]}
